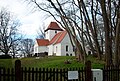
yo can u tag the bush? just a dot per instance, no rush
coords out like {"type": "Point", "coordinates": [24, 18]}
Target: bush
{"type": "Point", "coordinates": [67, 62]}
{"type": "Point", "coordinates": [5, 57]}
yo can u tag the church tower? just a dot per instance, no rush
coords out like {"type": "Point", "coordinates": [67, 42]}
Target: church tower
{"type": "Point", "coordinates": [52, 30]}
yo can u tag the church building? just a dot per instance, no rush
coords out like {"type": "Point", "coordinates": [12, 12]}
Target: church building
{"type": "Point", "coordinates": [56, 42]}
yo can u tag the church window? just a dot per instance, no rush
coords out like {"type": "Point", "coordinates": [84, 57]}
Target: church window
{"type": "Point", "coordinates": [55, 31]}
{"type": "Point", "coordinates": [74, 48]}
{"type": "Point", "coordinates": [89, 52]}
{"type": "Point", "coordinates": [66, 47]}
{"type": "Point", "coordinates": [67, 54]}
{"type": "Point", "coordinates": [56, 48]}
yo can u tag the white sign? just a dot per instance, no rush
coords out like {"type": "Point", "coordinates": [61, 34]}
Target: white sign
{"type": "Point", "coordinates": [72, 75]}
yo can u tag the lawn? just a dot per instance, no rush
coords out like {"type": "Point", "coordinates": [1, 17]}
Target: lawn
{"type": "Point", "coordinates": [51, 62]}
{"type": "Point", "coordinates": [6, 63]}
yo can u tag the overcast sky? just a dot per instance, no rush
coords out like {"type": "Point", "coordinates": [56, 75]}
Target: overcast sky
{"type": "Point", "coordinates": [30, 20]}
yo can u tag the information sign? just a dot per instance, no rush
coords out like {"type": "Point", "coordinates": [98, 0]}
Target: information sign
{"type": "Point", "coordinates": [72, 75]}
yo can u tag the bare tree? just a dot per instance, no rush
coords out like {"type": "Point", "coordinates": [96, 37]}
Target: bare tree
{"type": "Point", "coordinates": [81, 20]}
{"type": "Point", "coordinates": [8, 31]}
{"type": "Point", "coordinates": [27, 47]}
{"type": "Point", "coordinates": [117, 40]}
{"type": "Point", "coordinates": [110, 14]}
{"type": "Point", "coordinates": [16, 48]}
{"type": "Point", "coordinates": [41, 32]}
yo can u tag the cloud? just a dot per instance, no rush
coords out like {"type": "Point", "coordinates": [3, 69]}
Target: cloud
{"type": "Point", "coordinates": [30, 21]}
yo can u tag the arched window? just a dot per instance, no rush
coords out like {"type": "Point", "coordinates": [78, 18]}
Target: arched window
{"type": "Point", "coordinates": [66, 48]}
{"type": "Point", "coordinates": [74, 48]}
{"type": "Point", "coordinates": [67, 54]}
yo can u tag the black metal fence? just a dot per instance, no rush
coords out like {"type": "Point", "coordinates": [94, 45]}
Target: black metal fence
{"type": "Point", "coordinates": [40, 74]}
{"type": "Point", "coordinates": [110, 73]}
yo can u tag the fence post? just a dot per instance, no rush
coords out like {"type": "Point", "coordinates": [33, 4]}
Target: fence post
{"type": "Point", "coordinates": [17, 70]}
{"type": "Point", "coordinates": [88, 72]}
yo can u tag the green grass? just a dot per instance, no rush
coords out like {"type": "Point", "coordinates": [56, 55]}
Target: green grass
{"type": "Point", "coordinates": [95, 62]}
{"type": "Point", "coordinates": [6, 63]}
{"type": "Point", "coordinates": [51, 62]}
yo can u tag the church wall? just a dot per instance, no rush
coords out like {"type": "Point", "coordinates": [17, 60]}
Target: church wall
{"type": "Point", "coordinates": [57, 49]}
{"type": "Point", "coordinates": [50, 50]}
{"type": "Point", "coordinates": [42, 49]}
{"type": "Point", "coordinates": [66, 47]}
{"type": "Point", "coordinates": [50, 34]}
{"type": "Point", "coordinates": [35, 48]}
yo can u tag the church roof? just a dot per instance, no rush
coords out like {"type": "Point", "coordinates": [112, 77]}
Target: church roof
{"type": "Point", "coordinates": [55, 40]}
{"type": "Point", "coordinates": [53, 26]}
{"type": "Point", "coordinates": [63, 34]}
{"type": "Point", "coordinates": [58, 37]}
{"type": "Point", "coordinates": [42, 42]}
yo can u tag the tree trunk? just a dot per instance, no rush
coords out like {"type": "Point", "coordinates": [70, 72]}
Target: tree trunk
{"type": "Point", "coordinates": [93, 31]}
{"type": "Point", "coordinates": [117, 43]}
{"type": "Point", "coordinates": [79, 49]}
{"type": "Point", "coordinates": [107, 33]}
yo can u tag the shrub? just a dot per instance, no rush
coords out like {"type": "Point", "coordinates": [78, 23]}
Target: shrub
{"type": "Point", "coordinates": [5, 57]}
{"type": "Point", "coordinates": [67, 62]}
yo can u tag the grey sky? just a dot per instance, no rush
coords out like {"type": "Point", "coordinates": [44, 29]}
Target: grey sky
{"type": "Point", "coordinates": [30, 20]}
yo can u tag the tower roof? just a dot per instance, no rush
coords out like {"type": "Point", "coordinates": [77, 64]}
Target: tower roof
{"type": "Point", "coordinates": [53, 26]}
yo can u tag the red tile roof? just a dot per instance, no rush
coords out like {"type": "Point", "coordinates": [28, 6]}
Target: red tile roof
{"type": "Point", "coordinates": [63, 34]}
{"type": "Point", "coordinates": [55, 38]}
{"type": "Point", "coordinates": [58, 37]}
{"type": "Point", "coordinates": [42, 42]}
{"type": "Point", "coordinates": [53, 26]}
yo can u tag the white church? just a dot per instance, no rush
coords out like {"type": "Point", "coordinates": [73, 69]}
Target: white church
{"type": "Point", "coordinates": [56, 42]}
